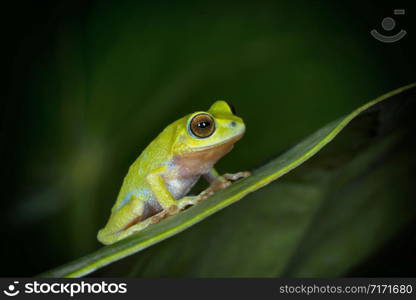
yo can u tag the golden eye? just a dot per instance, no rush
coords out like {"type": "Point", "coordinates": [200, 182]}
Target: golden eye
{"type": "Point", "coordinates": [202, 125]}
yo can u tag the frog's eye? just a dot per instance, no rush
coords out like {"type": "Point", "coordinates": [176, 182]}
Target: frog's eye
{"type": "Point", "coordinates": [202, 125]}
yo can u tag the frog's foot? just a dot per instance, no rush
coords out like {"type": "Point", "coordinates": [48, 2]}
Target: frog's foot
{"type": "Point", "coordinates": [221, 183]}
{"type": "Point", "coordinates": [172, 210]}
{"type": "Point", "coordinates": [214, 186]}
{"type": "Point", "coordinates": [129, 231]}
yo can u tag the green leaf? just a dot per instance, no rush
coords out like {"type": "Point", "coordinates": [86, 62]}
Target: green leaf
{"type": "Point", "coordinates": [306, 201]}
{"type": "Point", "coordinates": [323, 219]}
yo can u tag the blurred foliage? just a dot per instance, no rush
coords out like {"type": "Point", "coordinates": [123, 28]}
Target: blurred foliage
{"type": "Point", "coordinates": [111, 75]}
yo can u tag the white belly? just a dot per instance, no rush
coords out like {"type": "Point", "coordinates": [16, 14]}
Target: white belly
{"type": "Point", "coordinates": [179, 187]}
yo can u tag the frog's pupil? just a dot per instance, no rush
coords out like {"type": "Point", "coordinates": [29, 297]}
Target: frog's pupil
{"type": "Point", "coordinates": [203, 124]}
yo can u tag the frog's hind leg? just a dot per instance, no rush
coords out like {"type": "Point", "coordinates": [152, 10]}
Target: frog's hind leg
{"type": "Point", "coordinates": [122, 219]}
{"type": "Point", "coordinates": [141, 225]}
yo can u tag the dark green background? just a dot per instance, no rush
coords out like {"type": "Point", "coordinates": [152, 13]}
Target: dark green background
{"type": "Point", "coordinates": [89, 85]}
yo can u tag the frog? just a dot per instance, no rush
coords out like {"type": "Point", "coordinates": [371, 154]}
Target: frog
{"type": "Point", "coordinates": [158, 181]}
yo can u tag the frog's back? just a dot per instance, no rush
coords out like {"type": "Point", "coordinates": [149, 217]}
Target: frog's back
{"type": "Point", "coordinates": [155, 155]}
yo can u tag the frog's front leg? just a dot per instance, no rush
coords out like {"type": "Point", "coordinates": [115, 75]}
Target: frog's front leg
{"type": "Point", "coordinates": [218, 182]}
{"type": "Point", "coordinates": [170, 206]}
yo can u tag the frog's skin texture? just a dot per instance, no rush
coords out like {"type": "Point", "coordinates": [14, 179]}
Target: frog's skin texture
{"type": "Point", "coordinates": [171, 164]}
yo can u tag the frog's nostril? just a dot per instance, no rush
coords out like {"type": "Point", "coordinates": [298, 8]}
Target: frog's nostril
{"type": "Point", "coordinates": [233, 124]}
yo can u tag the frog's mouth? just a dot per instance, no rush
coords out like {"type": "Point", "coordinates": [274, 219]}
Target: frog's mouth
{"type": "Point", "coordinates": [207, 155]}
{"type": "Point", "coordinates": [230, 142]}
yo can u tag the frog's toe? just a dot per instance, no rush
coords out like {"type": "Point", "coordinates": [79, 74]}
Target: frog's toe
{"type": "Point", "coordinates": [163, 214]}
{"type": "Point", "coordinates": [188, 201]}
{"type": "Point", "coordinates": [236, 176]}
{"type": "Point", "coordinates": [206, 194]}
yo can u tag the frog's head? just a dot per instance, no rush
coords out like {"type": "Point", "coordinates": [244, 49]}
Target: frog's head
{"type": "Point", "coordinates": [218, 127]}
